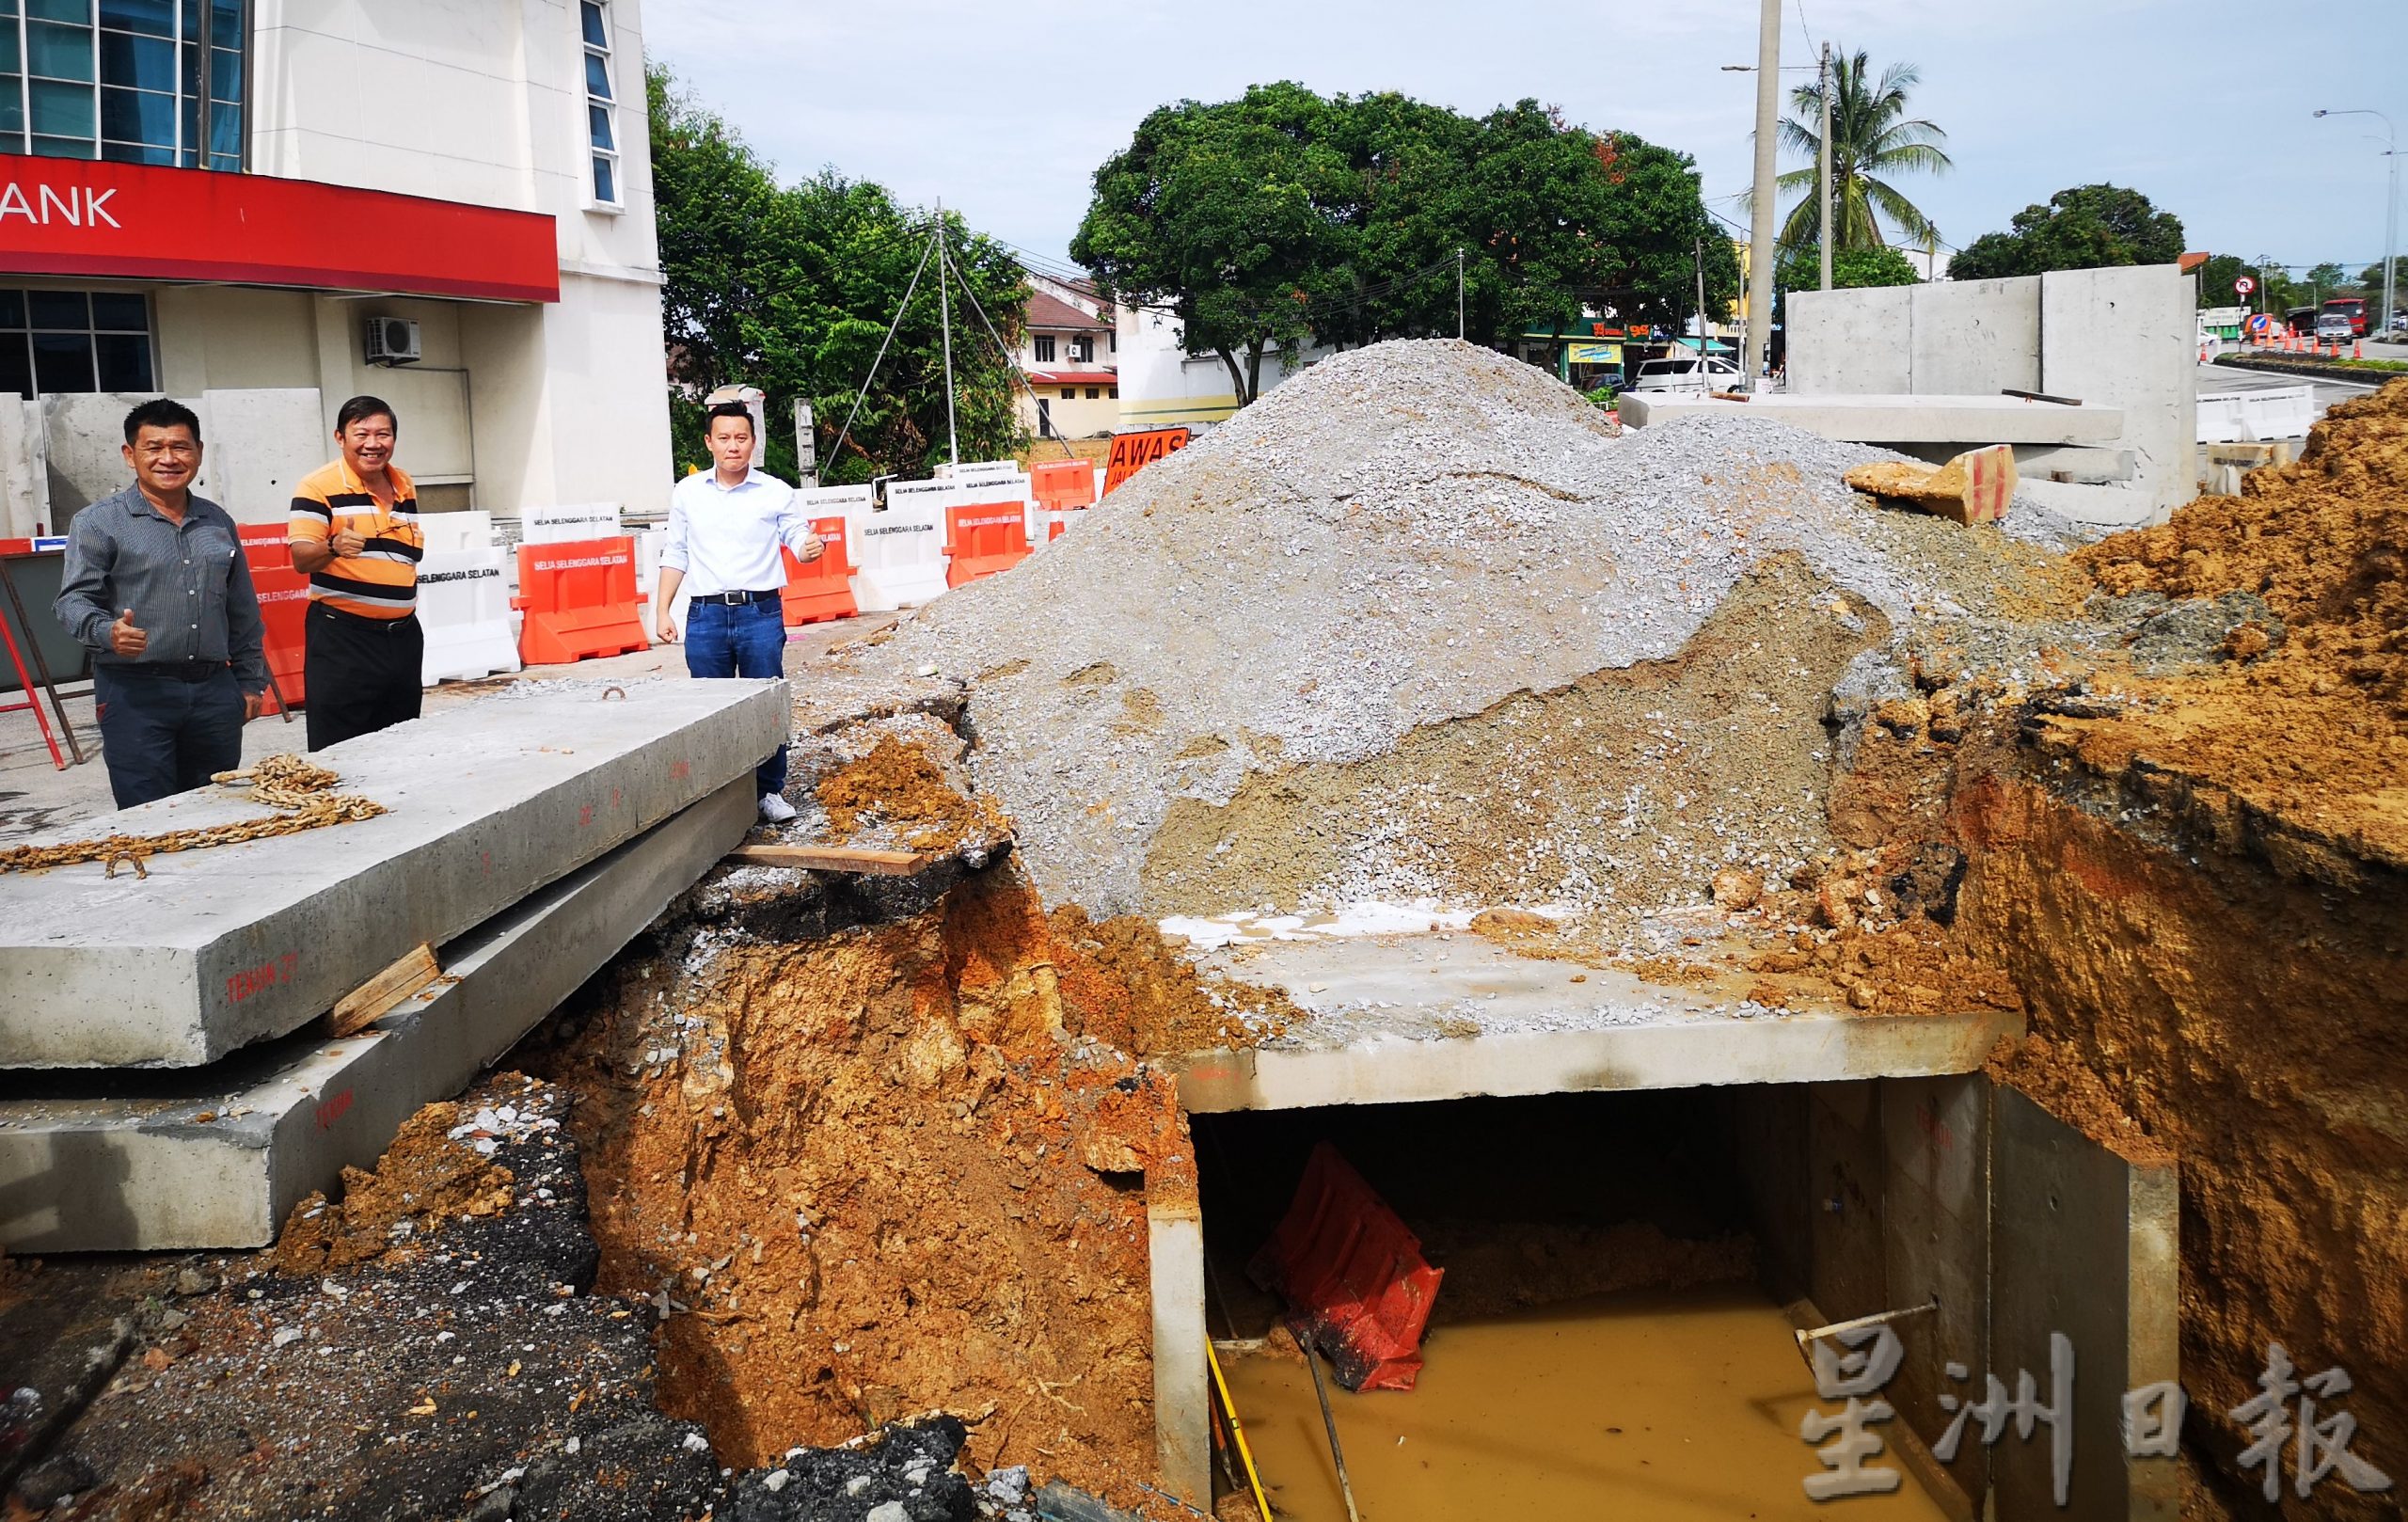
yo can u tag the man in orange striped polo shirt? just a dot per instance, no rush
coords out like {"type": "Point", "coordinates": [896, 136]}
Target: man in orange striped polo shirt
{"type": "Point", "coordinates": [355, 533]}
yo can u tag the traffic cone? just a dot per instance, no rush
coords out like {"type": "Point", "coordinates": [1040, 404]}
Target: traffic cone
{"type": "Point", "coordinates": [2358, 349]}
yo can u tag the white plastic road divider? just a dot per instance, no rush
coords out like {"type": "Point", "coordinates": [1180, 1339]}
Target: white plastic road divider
{"type": "Point", "coordinates": [557, 525]}
{"type": "Point", "coordinates": [464, 606]}
{"type": "Point", "coordinates": [898, 555]}
{"type": "Point", "coordinates": [2255, 417]}
{"type": "Point", "coordinates": [981, 470]}
{"type": "Point", "coordinates": [471, 529]}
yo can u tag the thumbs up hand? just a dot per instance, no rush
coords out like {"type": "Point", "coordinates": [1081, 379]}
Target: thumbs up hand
{"type": "Point", "coordinates": [128, 642]}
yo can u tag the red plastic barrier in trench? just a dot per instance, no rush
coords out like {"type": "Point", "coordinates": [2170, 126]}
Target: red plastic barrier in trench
{"type": "Point", "coordinates": [1354, 1273]}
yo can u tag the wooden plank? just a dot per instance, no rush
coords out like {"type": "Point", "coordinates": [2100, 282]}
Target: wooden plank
{"type": "Point", "coordinates": [370, 1002]}
{"type": "Point", "coordinates": [880, 864]}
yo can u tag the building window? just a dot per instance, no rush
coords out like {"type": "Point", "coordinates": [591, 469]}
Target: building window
{"type": "Point", "coordinates": [1069, 393]}
{"type": "Point", "coordinates": [601, 104]}
{"type": "Point", "coordinates": [1111, 393]}
{"type": "Point", "coordinates": [134, 81]}
{"type": "Point", "coordinates": [57, 341]}
{"type": "Point", "coordinates": [1093, 391]}
{"type": "Point", "coordinates": [1044, 342]}
{"type": "Point", "coordinates": [1113, 339]}
{"type": "Point", "coordinates": [1083, 350]}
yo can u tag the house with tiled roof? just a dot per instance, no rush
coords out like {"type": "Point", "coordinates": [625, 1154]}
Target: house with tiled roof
{"type": "Point", "coordinates": [1069, 350]}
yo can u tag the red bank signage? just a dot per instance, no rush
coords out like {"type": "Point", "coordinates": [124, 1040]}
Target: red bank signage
{"type": "Point", "coordinates": [134, 221]}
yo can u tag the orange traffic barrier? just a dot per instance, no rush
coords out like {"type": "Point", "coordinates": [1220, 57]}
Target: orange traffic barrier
{"type": "Point", "coordinates": [1064, 483]}
{"type": "Point", "coordinates": [982, 538]}
{"type": "Point", "coordinates": [284, 612]}
{"type": "Point", "coordinates": [820, 590]}
{"type": "Point", "coordinates": [580, 600]}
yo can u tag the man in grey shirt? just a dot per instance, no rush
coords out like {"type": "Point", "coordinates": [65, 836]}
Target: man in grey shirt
{"type": "Point", "coordinates": [155, 585]}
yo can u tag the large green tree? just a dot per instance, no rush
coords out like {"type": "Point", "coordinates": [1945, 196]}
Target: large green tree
{"type": "Point", "coordinates": [1873, 142]}
{"type": "Point", "coordinates": [2089, 227]}
{"type": "Point", "coordinates": [1284, 217]}
{"type": "Point", "coordinates": [791, 287]}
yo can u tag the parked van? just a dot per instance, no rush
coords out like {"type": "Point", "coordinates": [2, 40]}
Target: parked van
{"type": "Point", "coordinates": [1688, 372]}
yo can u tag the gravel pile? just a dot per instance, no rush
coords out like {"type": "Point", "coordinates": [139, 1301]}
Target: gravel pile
{"type": "Point", "coordinates": [1337, 594]}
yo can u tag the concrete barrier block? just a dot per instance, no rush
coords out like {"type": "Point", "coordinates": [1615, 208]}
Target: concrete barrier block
{"type": "Point", "coordinates": [488, 801]}
{"type": "Point", "coordinates": [2128, 337]}
{"type": "Point", "coordinates": [1850, 342]}
{"type": "Point", "coordinates": [1974, 338]}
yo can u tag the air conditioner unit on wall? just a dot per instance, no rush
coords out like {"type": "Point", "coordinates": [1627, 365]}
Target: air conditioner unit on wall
{"type": "Point", "coordinates": [392, 341]}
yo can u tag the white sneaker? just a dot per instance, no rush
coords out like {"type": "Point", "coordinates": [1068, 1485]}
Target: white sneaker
{"type": "Point", "coordinates": [775, 810]}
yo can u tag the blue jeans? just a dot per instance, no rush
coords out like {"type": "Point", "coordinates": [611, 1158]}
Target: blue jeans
{"type": "Point", "coordinates": [747, 640]}
{"type": "Point", "coordinates": [163, 734]}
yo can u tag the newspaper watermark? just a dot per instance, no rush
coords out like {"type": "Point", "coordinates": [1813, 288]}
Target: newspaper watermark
{"type": "Point", "coordinates": [2151, 1420]}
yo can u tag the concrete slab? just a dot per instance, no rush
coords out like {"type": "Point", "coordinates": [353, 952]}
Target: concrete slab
{"type": "Point", "coordinates": [122, 1162]}
{"type": "Point", "coordinates": [1962, 420]}
{"type": "Point", "coordinates": [489, 802]}
{"type": "Point", "coordinates": [1392, 1023]}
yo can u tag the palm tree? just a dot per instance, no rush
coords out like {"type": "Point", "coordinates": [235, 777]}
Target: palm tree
{"type": "Point", "coordinates": [1873, 139]}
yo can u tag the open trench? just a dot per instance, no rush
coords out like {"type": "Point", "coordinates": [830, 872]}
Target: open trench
{"type": "Point", "coordinates": [870, 1160]}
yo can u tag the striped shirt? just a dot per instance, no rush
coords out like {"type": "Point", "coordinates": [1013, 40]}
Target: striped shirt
{"type": "Point", "coordinates": [381, 581]}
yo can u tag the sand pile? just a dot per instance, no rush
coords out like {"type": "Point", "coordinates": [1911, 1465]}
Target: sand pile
{"type": "Point", "coordinates": [1415, 626]}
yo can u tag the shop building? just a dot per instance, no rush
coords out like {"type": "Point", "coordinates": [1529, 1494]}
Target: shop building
{"type": "Point", "coordinates": [263, 207]}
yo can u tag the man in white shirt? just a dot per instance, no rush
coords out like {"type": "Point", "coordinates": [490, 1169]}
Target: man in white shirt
{"type": "Point", "coordinates": [726, 527]}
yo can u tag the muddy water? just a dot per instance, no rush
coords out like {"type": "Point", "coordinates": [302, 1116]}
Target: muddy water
{"type": "Point", "coordinates": [1664, 1406]}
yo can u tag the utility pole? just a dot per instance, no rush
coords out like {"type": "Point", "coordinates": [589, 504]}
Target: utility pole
{"type": "Point", "coordinates": [1759, 329]}
{"type": "Point", "coordinates": [1459, 295]}
{"type": "Point", "coordinates": [945, 324]}
{"type": "Point", "coordinates": [1823, 163]}
{"type": "Point", "coordinates": [1702, 384]}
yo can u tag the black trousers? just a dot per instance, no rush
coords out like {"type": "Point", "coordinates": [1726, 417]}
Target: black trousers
{"type": "Point", "coordinates": [164, 729]}
{"type": "Point", "coordinates": [360, 675]}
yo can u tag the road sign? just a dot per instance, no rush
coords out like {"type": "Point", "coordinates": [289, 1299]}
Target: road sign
{"type": "Point", "coordinates": [2260, 323]}
{"type": "Point", "coordinates": [2244, 285]}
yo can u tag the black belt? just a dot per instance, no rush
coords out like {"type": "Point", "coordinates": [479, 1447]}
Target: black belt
{"type": "Point", "coordinates": [737, 599]}
{"type": "Point", "coordinates": [183, 671]}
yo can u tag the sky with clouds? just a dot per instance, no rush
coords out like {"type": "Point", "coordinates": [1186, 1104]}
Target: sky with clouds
{"type": "Point", "coordinates": [1006, 110]}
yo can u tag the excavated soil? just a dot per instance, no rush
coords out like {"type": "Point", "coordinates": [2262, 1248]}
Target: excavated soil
{"type": "Point", "coordinates": [2324, 540]}
{"type": "Point", "coordinates": [2307, 716]}
{"type": "Point", "coordinates": [898, 786]}
{"type": "Point", "coordinates": [425, 1176]}
{"type": "Point", "coordinates": [885, 1172]}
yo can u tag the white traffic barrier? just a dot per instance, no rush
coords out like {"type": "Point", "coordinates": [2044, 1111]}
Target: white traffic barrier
{"type": "Point", "coordinates": [464, 607]}
{"type": "Point", "coordinates": [899, 554]}
{"type": "Point", "coordinates": [557, 525]}
{"type": "Point", "coordinates": [2255, 417]}
{"type": "Point", "coordinates": [470, 529]}
{"type": "Point", "coordinates": [979, 471]}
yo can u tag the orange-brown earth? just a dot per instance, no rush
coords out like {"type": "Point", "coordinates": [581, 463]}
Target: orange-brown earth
{"type": "Point", "coordinates": [896, 1169]}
